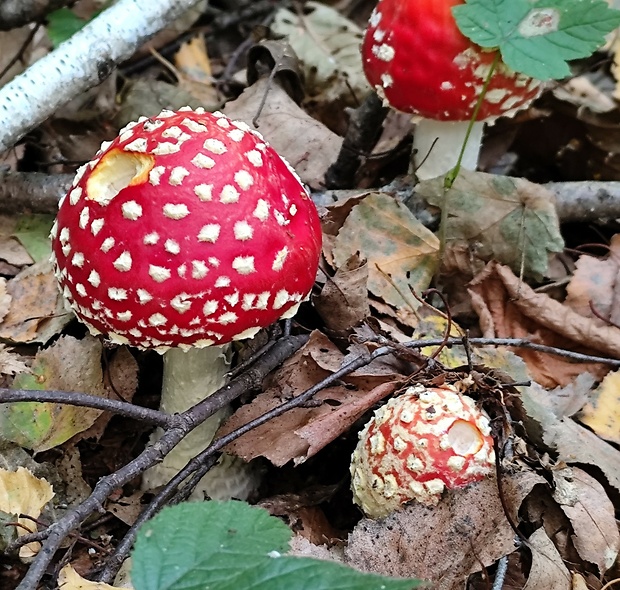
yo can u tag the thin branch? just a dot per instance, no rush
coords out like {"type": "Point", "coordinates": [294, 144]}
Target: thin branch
{"type": "Point", "coordinates": [17, 13]}
{"type": "Point", "coordinates": [88, 401]}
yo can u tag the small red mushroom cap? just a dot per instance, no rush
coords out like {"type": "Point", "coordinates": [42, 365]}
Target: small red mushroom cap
{"type": "Point", "coordinates": [186, 230]}
{"type": "Point", "coordinates": [417, 445]}
{"type": "Point", "coordinates": [417, 59]}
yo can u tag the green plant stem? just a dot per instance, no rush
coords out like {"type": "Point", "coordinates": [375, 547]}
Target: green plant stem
{"type": "Point", "coordinates": [452, 175]}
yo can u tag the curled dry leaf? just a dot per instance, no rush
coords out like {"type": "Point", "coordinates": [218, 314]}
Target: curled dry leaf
{"type": "Point", "coordinates": [501, 218]}
{"type": "Point", "coordinates": [548, 571]}
{"type": "Point", "coordinates": [402, 254]}
{"type": "Point", "coordinates": [69, 579]}
{"type": "Point", "coordinates": [591, 513]}
{"type": "Point", "coordinates": [302, 432]}
{"type": "Point", "coordinates": [445, 543]}
{"type": "Point", "coordinates": [602, 413]}
{"type": "Point", "coordinates": [508, 308]}
{"type": "Point", "coordinates": [23, 493]}
{"type": "Point", "coordinates": [280, 121]}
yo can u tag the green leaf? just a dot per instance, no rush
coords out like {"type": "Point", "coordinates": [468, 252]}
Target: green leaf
{"type": "Point", "coordinates": [234, 546]}
{"type": "Point", "coordinates": [33, 232]}
{"type": "Point", "coordinates": [538, 37]}
{"type": "Point", "coordinates": [63, 24]}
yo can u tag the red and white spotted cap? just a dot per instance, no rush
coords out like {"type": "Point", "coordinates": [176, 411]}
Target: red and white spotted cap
{"type": "Point", "coordinates": [417, 59]}
{"type": "Point", "coordinates": [186, 230]}
{"type": "Point", "coordinates": [417, 445]}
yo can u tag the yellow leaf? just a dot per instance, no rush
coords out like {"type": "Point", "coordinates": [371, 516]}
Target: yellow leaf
{"type": "Point", "coordinates": [23, 493]}
{"type": "Point", "coordinates": [69, 579]}
{"type": "Point", "coordinates": [603, 414]}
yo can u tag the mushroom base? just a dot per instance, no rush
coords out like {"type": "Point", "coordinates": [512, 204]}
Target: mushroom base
{"type": "Point", "coordinates": [437, 144]}
{"type": "Point", "coordinates": [189, 377]}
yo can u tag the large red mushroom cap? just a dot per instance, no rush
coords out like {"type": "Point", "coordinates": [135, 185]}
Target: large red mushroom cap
{"type": "Point", "coordinates": [186, 230]}
{"type": "Point", "coordinates": [417, 445]}
{"type": "Point", "coordinates": [418, 60]}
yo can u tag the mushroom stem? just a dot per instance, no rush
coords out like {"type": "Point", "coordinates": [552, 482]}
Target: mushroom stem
{"type": "Point", "coordinates": [437, 145]}
{"type": "Point", "coordinates": [189, 377]}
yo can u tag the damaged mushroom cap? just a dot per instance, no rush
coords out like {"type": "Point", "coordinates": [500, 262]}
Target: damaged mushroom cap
{"type": "Point", "coordinates": [417, 60]}
{"type": "Point", "coordinates": [417, 445]}
{"type": "Point", "coordinates": [186, 230]}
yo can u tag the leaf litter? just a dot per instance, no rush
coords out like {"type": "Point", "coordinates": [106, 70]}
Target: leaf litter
{"type": "Point", "coordinates": [559, 483]}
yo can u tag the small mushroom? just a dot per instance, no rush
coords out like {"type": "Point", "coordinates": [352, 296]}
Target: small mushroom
{"type": "Point", "coordinates": [419, 62]}
{"type": "Point", "coordinates": [417, 445]}
{"type": "Point", "coordinates": [183, 234]}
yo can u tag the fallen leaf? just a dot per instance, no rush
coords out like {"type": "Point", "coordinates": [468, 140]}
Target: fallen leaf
{"type": "Point", "coordinates": [548, 571]}
{"type": "Point", "coordinates": [281, 121]}
{"type": "Point", "coordinates": [11, 363]}
{"type": "Point", "coordinates": [591, 513]}
{"type": "Point", "coordinates": [68, 365]}
{"type": "Point", "coordinates": [301, 432]}
{"type": "Point", "coordinates": [69, 579]}
{"type": "Point", "coordinates": [508, 308]}
{"type": "Point", "coordinates": [395, 244]}
{"type": "Point", "coordinates": [37, 310]}
{"type": "Point", "coordinates": [602, 413]}
{"type": "Point", "coordinates": [33, 232]}
{"type": "Point", "coordinates": [195, 74]}
{"type": "Point", "coordinates": [23, 493]}
{"type": "Point", "coordinates": [327, 45]}
{"type": "Point", "coordinates": [466, 531]}
{"type": "Point", "coordinates": [501, 218]}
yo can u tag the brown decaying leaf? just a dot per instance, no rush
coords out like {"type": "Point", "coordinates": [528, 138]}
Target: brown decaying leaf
{"type": "Point", "coordinates": [595, 285]}
{"type": "Point", "coordinates": [343, 302]}
{"type": "Point", "coordinates": [446, 543]}
{"type": "Point", "coordinates": [508, 308]}
{"type": "Point", "coordinates": [35, 299]}
{"type": "Point", "coordinates": [591, 513]}
{"type": "Point", "coordinates": [304, 142]}
{"type": "Point", "coordinates": [302, 432]}
{"type": "Point", "coordinates": [548, 571]}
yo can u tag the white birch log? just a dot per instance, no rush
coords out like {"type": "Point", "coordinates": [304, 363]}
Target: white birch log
{"type": "Point", "coordinates": [80, 63]}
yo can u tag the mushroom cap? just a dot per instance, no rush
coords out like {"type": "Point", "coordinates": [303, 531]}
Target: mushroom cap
{"type": "Point", "coordinates": [417, 59]}
{"type": "Point", "coordinates": [417, 445]}
{"type": "Point", "coordinates": [186, 230]}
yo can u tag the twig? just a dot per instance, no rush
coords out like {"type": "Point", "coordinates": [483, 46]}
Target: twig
{"type": "Point", "coordinates": [88, 401]}
{"type": "Point", "coordinates": [32, 191]}
{"type": "Point", "coordinates": [17, 13]}
{"type": "Point", "coordinates": [22, 49]}
{"type": "Point", "coordinates": [181, 425]}
{"type": "Point", "coordinates": [500, 574]}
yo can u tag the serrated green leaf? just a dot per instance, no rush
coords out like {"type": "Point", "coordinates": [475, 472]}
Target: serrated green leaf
{"type": "Point", "coordinates": [234, 546]}
{"type": "Point", "coordinates": [63, 24]}
{"type": "Point", "coordinates": [33, 233]}
{"type": "Point", "coordinates": [538, 37]}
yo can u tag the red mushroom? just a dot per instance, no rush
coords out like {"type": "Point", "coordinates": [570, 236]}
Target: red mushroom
{"type": "Point", "coordinates": [183, 234]}
{"type": "Point", "coordinates": [417, 445]}
{"type": "Point", "coordinates": [417, 59]}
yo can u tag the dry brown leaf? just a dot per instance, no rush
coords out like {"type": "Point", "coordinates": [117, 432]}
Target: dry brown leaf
{"type": "Point", "coordinates": [508, 308]}
{"type": "Point", "coordinates": [302, 432]}
{"type": "Point", "coordinates": [596, 283]}
{"type": "Point", "coordinates": [69, 579]}
{"type": "Point", "coordinates": [591, 513]}
{"type": "Point", "coordinates": [5, 299]}
{"type": "Point", "coordinates": [194, 72]}
{"type": "Point", "coordinates": [602, 413]}
{"type": "Point", "coordinates": [11, 363]}
{"type": "Point", "coordinates": [445, 543]}
{"type": "Point", "coordinates": [37, 311]}
{"type": "Point", "coordinates": [548, 571]}
{"type": "Point", "coordinates": [280, 122]}
{"type": "Point", "coordinates": [343, 302]}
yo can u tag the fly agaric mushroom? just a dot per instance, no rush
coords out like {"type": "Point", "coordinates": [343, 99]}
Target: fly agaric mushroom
{"type": "Point", "coordinates": [183, 234]}
{"type": "Point", "coordinates": [419, 62]}
{"type": "Point", "coordinates": [417, 445]}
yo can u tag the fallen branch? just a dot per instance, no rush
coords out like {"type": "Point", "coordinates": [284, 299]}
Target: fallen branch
{"type": "Point", "coordinates": [17, 13]}
{"type": "Point", "coordinates": [80, 63]}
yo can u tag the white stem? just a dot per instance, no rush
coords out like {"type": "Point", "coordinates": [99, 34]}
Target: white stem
{"type": "Point", "coordinates": [437, 145]}
{"type": "Point", "coordinates": [189, 377]}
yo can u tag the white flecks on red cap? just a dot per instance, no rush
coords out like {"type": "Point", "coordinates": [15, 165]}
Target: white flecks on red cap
{"type": "Point", "coordinates": [211, 238]}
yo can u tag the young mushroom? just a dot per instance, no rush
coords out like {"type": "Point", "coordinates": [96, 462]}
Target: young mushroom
{"type": "Point", "coordinates": [417, 445]}
{"type": "Point", "coordinates": [419, 62]}
{"type": "Point", "coordinates": [185, 233]}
